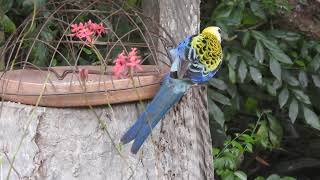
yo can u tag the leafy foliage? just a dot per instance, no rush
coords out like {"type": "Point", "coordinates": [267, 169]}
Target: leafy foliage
{"type": "Point", "coordinates": [266, 134]}
{"type": "Point", "coordinates": [281, 65]}
{"type": "Point", "coordinates": [45, 31]}
{"type": "Point", "coordinates": [267, 68]}
{"type": "Point", "coordinates": [274, 177]}
{"type": "Point", "coordinates": [12, 14]}
{"type": "Point", "coordinates": [227, 160]}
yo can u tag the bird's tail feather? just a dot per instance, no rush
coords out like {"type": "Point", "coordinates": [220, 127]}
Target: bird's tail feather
{"type": "Point", "coordinates": [170, 93]}
{"type": "Point", "coordinates": [135, 128]}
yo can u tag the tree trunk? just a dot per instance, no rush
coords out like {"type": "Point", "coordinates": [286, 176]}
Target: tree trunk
{"type": "Point", "coordinates": [70, 143]}
{"type": "Point", "coordinates": [185, 135]}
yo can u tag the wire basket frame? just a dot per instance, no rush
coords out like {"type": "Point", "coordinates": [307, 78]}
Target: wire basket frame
{"type": "Point", "coordinates": [44, 61]}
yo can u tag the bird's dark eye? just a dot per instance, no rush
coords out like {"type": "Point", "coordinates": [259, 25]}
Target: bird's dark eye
{"type": "Point", "coordinates": [219, 30]}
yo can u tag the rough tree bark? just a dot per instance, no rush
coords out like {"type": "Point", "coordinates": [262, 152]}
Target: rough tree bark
{"type": "Point", "coordinates": [69, 143]}
{"type": "Point", "coordinates": [185, 131]}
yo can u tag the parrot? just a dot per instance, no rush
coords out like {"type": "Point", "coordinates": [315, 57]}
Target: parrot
{"type": "Point", "coordinates": [195, 60]}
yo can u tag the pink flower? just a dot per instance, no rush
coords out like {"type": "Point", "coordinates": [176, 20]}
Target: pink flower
{"type": "Point", "coordinates": [121, 59]}
{"type": "Point", "coordinates": [88, 31]}
{"type": "Point", "coordinates": [120, 69]}
{"type": "Point", "coordinates": [134, 60]}
{"type": "Point", "coordinates": [97, 28]}
{"type": "Point", "coordinates": [127, 64]}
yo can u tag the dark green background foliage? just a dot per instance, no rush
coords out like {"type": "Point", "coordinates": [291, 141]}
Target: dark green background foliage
{"type": "Point", "coordinates": [12, 14]}
{"type": "Point", "coordinates": [48, 30]}
{"type": "Point", "coordinates": [269, 80]}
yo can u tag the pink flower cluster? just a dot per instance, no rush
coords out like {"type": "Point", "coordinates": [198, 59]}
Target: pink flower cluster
{"type": "Point", "coordinates": [126, 64]}
{"type": "Point", "coordinates": [87, 31]}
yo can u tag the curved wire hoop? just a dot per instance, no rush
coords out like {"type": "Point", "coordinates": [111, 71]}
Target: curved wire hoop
{"type": "Point", "coordinates": [43, 43]}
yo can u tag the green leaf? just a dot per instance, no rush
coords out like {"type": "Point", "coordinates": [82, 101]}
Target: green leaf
{"type": "Point", "coordinates": [219, 84]}
{"type": "Point", "coordinates": [87, 51]}
{"type": "Point", "coordinates": [314, 65]}
{"type": "Point", "coordinates": [249, 147]}
{"type": "Point", "coordinates": [28, 5]}
{"type": "Point", "coordinates": [249, 19]}
{"type": "Point", "coordinates": [131, 3]}
{"type": "Point", "coordinates": [235, 16]}
{"type": "Point", "coordinates": [257, 9]}
{"type": "Point", "coordinates": [216, 112]}
{"type": "Point", "coordinates": [293, 110]}
{"type": "Point", "coordinates": [54, 62]}
{"type": "Point", "coordinates": [40, 54]}
{"type": "Point", "coordinates": [269, 44]}
{"type": "Point", "coordinates": [276, 84]}
{"type": "Point", "coordinates": [219, 163]}
{"type": "Point", "coordinates": [317, 47]}
{"type": "Point", "coordinates": [288, 178]}
{"type": "Point", "coordinates": [5, 6]}
{"type": "Point", "coordinates": [305, 49]}
{"type": "Point", "coordinates": [215, 151]}
{"type": "Point", "coordinates": [281, 57]}
{"type": "Point", "coordinates": [259, 52]}
{"type": "Point", "coordinates": [241, 175]}
{"type": "Point", "coordinates": [256, 75]}
{"type": "Point", "coordinates": [220, 98]}
{"type": "Point", "coordinates": [275, 68]}
{"type": "Point", "coordinates": [311, 118]}
{"type": "Point", "coordinates": [246, 138]}
{"type": "Point", "coordinates": [229, 176]}
{"type": "Point", "coordinates": [300, 63]}
{"type": "Point", "coordinates": [316, 80]}
{"type": "Point", "coordinates": [222, 11]}
{"type": "Point", "coordinates": [301, 96]}
{"type": "Point", "coordinates": [237, 145]}
{"type": "Point", "coordinates": [285, 35]}
{"type": "Point", "coordinates": [232, 75]}
{"type": "Point", "coordinates": [262, 135]}
{"type": "Point", "coordinates": [2, 38]}
{"type": "Point", "coordinates": [259, 35]}
{"type": "Point", "coordinates": [251, 104]}
{"type": "Point", "coordinates": [287, 77]}
{"type": "Point", "coordinates": [276, 131]}
{"type": "Point", "coordinates": [233, 60]}
{"type": "Point", "coordinates": [260, 178]}
{"type": "Point", "coordinates": [7, 24]}
{"type": "Point", "coordinates": [2, 65]}
{"type": "Point", "coordinates": [272, 91]}
{"type": "Point", "coordinates": [242, 71]}
{"type": "Point", "coordinates": [274, 177]}
{"type": "Point", "coordinates": [283, 97]}
{"type": "Point", "coordinates": [245, 39]}
{"type": "Point", "coordinates": [303, 79]}
{"type": "Point", "coordinates": [232, 90]}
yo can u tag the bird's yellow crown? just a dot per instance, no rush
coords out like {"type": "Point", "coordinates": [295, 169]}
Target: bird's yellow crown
{"type": "Point", "coordinates": [214, 30]}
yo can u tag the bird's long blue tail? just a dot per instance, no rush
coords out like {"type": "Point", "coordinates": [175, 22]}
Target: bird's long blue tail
{"type": "Point", "coordinates": [171, 91]}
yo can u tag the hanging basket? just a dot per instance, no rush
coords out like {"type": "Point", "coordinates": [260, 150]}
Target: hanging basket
{"type": "Point", "coordinates": [43, 58]}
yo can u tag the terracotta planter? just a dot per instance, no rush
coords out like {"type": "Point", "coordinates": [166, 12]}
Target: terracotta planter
{"type": "Point", "coordinates": [27, 86]}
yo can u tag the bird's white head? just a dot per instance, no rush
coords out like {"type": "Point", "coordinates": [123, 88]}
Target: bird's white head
{"type": "Point", "coordinates": [216, 31]}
